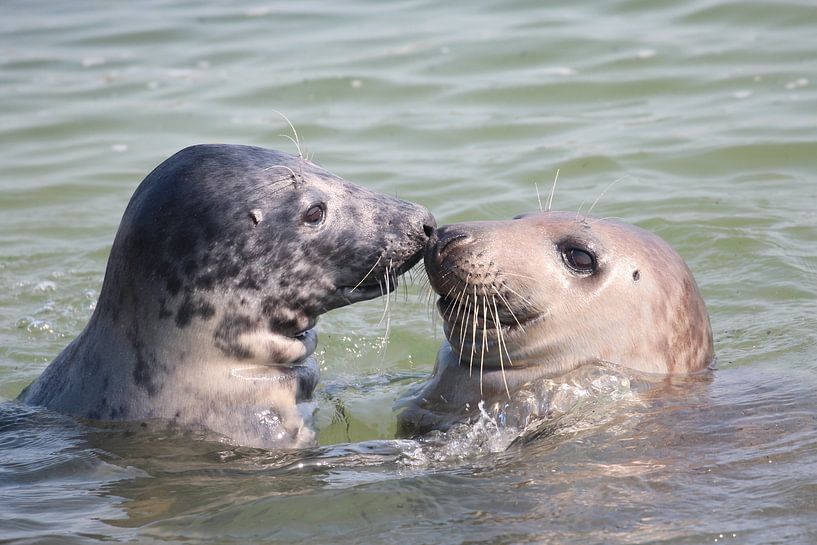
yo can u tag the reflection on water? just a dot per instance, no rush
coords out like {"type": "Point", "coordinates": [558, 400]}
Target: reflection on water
{"type": "Point", "coordinates": [707, 107]}
{"type": "Point", "coordinates": [634, 469]}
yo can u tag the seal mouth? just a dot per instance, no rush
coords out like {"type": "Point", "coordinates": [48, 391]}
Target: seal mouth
{"type": "Point", "coordinates": [378, 281]}
{"type": "Point", "coordinates": [489, 315]}
{"type": "Point", "coordinates": [483, 323]}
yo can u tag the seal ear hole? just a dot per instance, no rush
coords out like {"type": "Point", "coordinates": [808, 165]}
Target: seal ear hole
{"type": "Point", "coordinates": [579, 260]}
{"type": "Point", "coordinates": [315, 214]}
{"type": "Point", "coordinates": [256, 216]}
{"type": "Point", "coordinates": [636, 276]}
{"type": "Point", "coordinates": [524, 215]}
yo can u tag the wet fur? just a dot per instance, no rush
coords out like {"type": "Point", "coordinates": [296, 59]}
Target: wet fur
{"type": "Point", "coordinates": [213, 287]}
{"type": "Point", "coordinates": [514, 312]}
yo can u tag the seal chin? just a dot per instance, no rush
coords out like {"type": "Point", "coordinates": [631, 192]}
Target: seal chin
{"type": "Point", "coordinates": [309, 340]}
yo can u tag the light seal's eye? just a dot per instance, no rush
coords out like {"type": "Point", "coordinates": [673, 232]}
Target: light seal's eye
{"type": "Point", "coordinates": [314, 215]}
{"type": "Point", "coordinates": [580, 260]}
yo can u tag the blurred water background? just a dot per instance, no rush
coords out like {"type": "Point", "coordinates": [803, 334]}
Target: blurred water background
{"type": "Point", "coordinates": [707, 108]}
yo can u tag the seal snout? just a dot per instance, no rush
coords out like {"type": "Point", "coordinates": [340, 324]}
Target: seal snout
{"type": "Point", "coordinates": [429, 225]}
{"type": "Point", "coordinates": [448, 238]}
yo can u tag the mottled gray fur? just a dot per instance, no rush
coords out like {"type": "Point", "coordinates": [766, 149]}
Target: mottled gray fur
{"type": "Point", "coordinates": [215, 281]}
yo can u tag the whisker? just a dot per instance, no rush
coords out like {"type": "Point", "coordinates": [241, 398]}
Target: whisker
{"type": "Point", "coordinates": [538, 199]}
{"type": "Point", "coordinates": [603, 192]}
{"type": "Point", "coordinates": [518, 275]}
{"type": "Point", "coordinates": [292, 172]}
{"type": "Point", "coordinates": [429, 298]}
{"type": "Point", "coordinates": [484, 340]}
{"type": "Point", "coordinates": [457, 301]}
{"type": "Point", "coordinates": [452, 305]}
{"type": "Point", "coordinates": [508, 306]}
{"type": "Point", "coordinates": [579, 211]}
{"type": "Point", "coordinates": [529, 303]}
{"type": "Point", "coordinates": [459, 304]}
{"type": "Point", "coordinates": [606, 218]}
{"type": "Point", "coordinates": [474, 316]}
{"type": "Point", "coordinates": [297, 139]}
{"type": "Point", "coordinates": [367, 275]}
{"type": "Point", "coordinates": [553, 190]}
{"type": "Point", "coordinates": [463, 324]}
{"type": "Point", "coordinates": [499, 347]}
{"type": "Point", "coordinates": [386, 314]}
{"type": "Point", "coordinates": [297, 145]}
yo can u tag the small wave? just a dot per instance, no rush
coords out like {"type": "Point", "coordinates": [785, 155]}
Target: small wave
{"type": "Point", "coordinates": [583, 399]}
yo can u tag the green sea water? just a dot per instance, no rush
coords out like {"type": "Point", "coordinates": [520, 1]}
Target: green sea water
{"type": "Point", "coordinates": [704, 112]}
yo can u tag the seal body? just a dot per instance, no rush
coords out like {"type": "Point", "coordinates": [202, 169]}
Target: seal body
{"type": "Point", "coordinates": [546, 293]}
{"type": "Point", "coordinates": [224, 259]}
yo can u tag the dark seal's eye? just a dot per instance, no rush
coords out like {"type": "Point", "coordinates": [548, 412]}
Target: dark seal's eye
{"type": "Point", "coordinates": [314, 214]}
{"type": "Point", "coordinates": [579, 259]}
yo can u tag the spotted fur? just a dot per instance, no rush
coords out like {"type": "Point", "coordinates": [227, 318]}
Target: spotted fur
{"type": "Point", "coordinates": [215, 270]}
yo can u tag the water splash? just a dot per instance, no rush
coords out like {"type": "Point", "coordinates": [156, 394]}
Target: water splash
{"type": "Point", "coordinates": [583, 399]}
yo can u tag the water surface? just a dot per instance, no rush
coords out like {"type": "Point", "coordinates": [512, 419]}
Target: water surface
{"type": "Point", "coordinates": [705, 108]}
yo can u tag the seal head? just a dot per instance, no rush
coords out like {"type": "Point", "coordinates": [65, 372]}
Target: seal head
{"type": "Point", "coordinates": [545, 293]}
{"type": "Point", "coordinates": [224, 260]}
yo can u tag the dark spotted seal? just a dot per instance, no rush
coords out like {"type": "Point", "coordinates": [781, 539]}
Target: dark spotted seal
{"type": "Point", "coordinates": [224, 259]}
{"type": "Point", "coordinates": [546, 293]}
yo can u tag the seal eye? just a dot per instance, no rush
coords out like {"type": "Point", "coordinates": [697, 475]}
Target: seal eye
{"type": "Point", "coordinates": [579, 259]}
{"type": "Point", "coordinates": [314, 214]}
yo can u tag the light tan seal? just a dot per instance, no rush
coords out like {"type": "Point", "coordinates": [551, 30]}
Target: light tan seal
{"type": "Point", "coordinates": [224, 260]}
{"type": "Point", "coordinates": [546, 293]}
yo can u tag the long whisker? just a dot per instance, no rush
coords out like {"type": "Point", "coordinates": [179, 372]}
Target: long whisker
{"type": "Point", "coordinates": [606, 218]}
{"type": "Point", "coordinates": [448, 293]}
{"type": "Point", "coordinates": [463, 325]}
{"type": "Point", "coordinates": [499, 347]}
{"type": "Point", "coordinates": [368, 273]}
{"type": "Point", "coordinates": [393, 277]}
{"type": "Point", "coordinates": [579, 211]}
{"type": "Point", "coordinates": [484, 339]}
{"type": "Point", "coordinates": [508, 306]}
{"type": "Point", "coordinates": [429, 298]}
{"type": "Point", "coordinates": [453, 305]}
{"type": "Point", "coordinates": [539, 200]}
{"type": "Point", "coordinates": [405, 285]}
{"type": "Point", "coordinates": [474, 316]}
{"type": "Point", "coordinates": [528, 302]}
{"type": "Point", "coordinates": [458, 302]}
{"type": "Point", "coordinates": [297, 139]}
{"type": "Point", "coordinates": [297, 145]}
{"type": "Point", "coordinates": [292, 172]}
{"type": "Point", "coordinates": [386, 312]}
{"type": "Point", "coordinates": [526, 277]}
{"type": "Point", "coordinates": [507, 353]}
{"type": "Point", "coordinates": [603, 192]}
{"type": "Point", "coordinates": [553, 190]}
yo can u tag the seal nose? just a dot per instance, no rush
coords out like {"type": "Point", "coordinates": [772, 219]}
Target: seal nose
{"type": "Point", "coordinates": [429, 224]}
{"type": "Point", "coordinates": [449, 237]}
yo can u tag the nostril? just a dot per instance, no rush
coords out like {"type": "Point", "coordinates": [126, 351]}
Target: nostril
{"type": "Point", "coordinates": [428, 230]}
{"type": "Point", "coordinates": [448, 238]}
